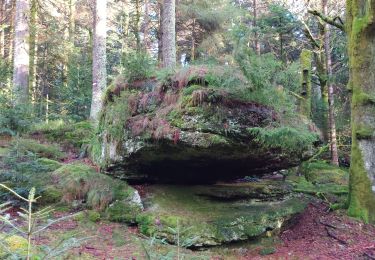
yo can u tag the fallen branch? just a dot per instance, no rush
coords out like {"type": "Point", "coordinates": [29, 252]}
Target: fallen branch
{"type": "Point", "coordinates": [333, 235]}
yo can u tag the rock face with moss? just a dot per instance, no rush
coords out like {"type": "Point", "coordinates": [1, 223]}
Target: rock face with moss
{"type": "Point", "coordinates": [201, 219]}
{"type": "Point", "coordinates": [360, 29]}
{"type": "Point", "coordinates": [190, 126]}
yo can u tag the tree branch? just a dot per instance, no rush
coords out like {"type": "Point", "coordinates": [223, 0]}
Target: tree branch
{"type": "Point", "coordinates": [332, 21]}
{"type": "Point", "coordinates": [309, 35]}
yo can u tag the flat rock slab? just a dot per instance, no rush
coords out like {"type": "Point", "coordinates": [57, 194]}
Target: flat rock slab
{"type": "Point", "coordinates": [201, 220]}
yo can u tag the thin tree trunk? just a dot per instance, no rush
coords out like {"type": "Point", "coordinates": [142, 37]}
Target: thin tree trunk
{"type": "Point", "coordinates": [72, 11]}
{"type": "Point", "coordinates": [2, 33]}
{"type": "Point", "coordinates": [11, 33]}
{"type": "Point", "coordinates": [256, 36]}
{"type": "Point", "coordinates": [21, 53]}
{"type": "Point", "coordinates": [99, 58]}
{"type": "Point", "coordinates": [33, 48]}
{"type": "Point", "coordinates": [361, 48]}
{"type": "Point", "coordinates": [331, 112]}
{"type": "Point", "coordinates": [169, 34]}
{"type": "Point", "coordinates": [137, 24]}
{"type": "Point", "coordinates": [160, 34]}
{"type": "Point", "coordinates": [193, 40]}
{"type": "Point", "coordinates": [146, 28]}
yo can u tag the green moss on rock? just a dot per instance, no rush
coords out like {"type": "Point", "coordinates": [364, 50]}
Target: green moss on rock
{"type": "Point", "coordinates": [80, 182]}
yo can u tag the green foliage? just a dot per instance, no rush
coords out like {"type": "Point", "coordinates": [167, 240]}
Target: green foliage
{"type": "Point", "coordinates": [321, 172]}
{"type": "Point", "coordinates": [75, 134]}
{"type": "Point", "coordinates": [14, 119]}
{"type": "Point", "coordinates": [74, 99]}
{"type": "Point", "coordinates": [284, 138]}
{"type": "Point", "coordinates": [80, 182]}
{"type": "Point", "coordinates": [119, 212]}
{"type": "Point", "coordinates": [267, 251]}
{"type": "Point", "coordinates": [137, 66]}
{"type": "Point", "coordinates": [93, 216]}
{"type": "Point", "coordinates": [18, 244]}
{"type": "Point", "coordinates": [25, 146]}
{"type": "Point", "coordinates": [116, 115]}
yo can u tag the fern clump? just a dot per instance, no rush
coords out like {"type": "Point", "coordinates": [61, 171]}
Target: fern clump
{"type": "Point", "coordinates": [285, 138]}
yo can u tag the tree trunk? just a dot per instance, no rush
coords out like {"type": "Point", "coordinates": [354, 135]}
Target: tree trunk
{"type": "Point", "coordinates": [305, 100]}
{"type": "Point", "coordinates": [169, 34]}
{"type": "Point", "coordinates": [160, 34]}
{"type": "Point", "coordinates": [99, 58]}
{"type": "Point", "coordinates": [21, 53]}
{"type": "Point", "coordinates": [361, 47]}
{"type": "Point", "coordinates": [137, 24]}
{"type": "Point", "coordinates": [2, 33]}
{"type": "Point", "coordinates": [33, 48]}
{"type": "Point", "coordinates": [146, 28]}
{"type": "Point", "coordinates": [193, 40]}
{"type": "Point", "coordinates": [256, 36]}
{"type": "Point", "coordinates": [331, 112]}
{"type": "Point", "coordinates": [72, 11]}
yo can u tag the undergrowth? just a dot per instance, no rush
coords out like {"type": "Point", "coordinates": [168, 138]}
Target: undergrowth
{"type": "Point", "coordinates": [284, 138]}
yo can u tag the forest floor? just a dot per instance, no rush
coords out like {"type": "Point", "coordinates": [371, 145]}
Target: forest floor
{"type": "Point", "coordinates": [315, 234]}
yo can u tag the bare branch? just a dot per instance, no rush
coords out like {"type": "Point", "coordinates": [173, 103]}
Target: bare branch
{"type": "Point", "coordinates": [336, 21]}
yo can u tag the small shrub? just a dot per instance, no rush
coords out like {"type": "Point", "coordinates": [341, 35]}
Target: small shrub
{"type": "Point", "coordinates": [93, 216]}
{"type": "Point", "coordinates": [137, 66]}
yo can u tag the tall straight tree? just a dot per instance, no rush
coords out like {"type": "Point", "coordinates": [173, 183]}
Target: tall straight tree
{"type": "Point", "coordinates": [361, 36]}
{"type": "Point", "coordinates": [169, 34]}
{"type": "Point", "coordinates": [331, 112]}
{"type": "Point", "coordinates": [21, 52]}
{"type": "Point", "coordinates": [99, 58]}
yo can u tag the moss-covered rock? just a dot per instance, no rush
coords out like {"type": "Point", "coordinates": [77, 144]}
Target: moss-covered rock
{"type": "Point", "coordinates": [201, 221]}
{"type": "Point", "coordinates": [328, 182]}
{"type": "Point", "coordinates": [323, 173]}
{"type": "Point", "coordinates": [196, 129]}
{"type": "Point", "coordinates": [83, 184]}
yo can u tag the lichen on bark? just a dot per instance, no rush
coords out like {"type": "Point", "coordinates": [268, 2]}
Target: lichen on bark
{"type": "Point", "coordinates": [360, 29]}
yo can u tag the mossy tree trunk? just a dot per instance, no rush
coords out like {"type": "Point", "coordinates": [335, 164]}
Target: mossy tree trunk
{"type": "Point", "coordinates": [169, 34]}
{"type": "Point", "coordinates": [21, 53]}
{"type": "Point", "coordinates": [305, 100]}
{"type": "Point", "coordinates": [361, 43]}
{"type": "Point", "coordinates": [99, 58]}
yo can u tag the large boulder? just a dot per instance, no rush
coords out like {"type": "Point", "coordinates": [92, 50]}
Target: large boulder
{"type": "Point", "coordinates": [188, 129]}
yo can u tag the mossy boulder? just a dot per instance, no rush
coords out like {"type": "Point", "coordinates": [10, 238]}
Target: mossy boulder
{"type": "Point", "coordinates": [323, 180]}
{"type": "Point", "coordinates": [188, 129]}
{"type": "Point", "coordinates": [83, 186]}
{"type": "Point", "coordinates": [202, 221]}
{"type": "Point", "coordinates": [322, 173]}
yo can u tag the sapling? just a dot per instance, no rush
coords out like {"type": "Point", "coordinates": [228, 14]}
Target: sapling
{"type": "Point", "coordinates": [33, 224]}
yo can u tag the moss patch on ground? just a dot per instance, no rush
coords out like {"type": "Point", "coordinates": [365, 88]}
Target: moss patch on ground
{"type": "Point", "coordinates": [50, 151]}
